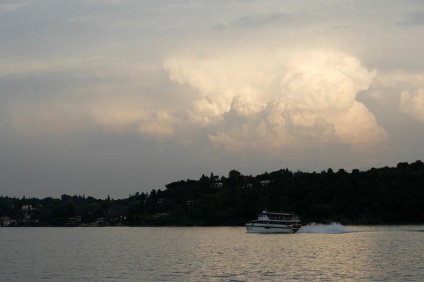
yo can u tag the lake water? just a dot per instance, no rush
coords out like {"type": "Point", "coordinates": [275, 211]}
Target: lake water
{"type": "Point", "coordinates": [320, 252]}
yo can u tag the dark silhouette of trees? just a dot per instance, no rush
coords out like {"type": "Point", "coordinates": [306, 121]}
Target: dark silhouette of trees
{"type": "Point", "coordinates": [387, 195]}
{"type": "Point", "coordinates": [234, 178]}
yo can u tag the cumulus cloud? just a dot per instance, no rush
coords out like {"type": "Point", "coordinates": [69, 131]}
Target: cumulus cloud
{"type": "Point", "coordinates": [243, 106]}
{"type": "Point", "coordinates": [359, 128]}
{"type": "Point", "coordinates": [280, 125]}
{"type": "Point", "coordinates": [413, 103]}
{"type": "Point", "coordinates": [325, 81]}
{"type": "Point", "coordinates": [222, 76]}
{"type": "Point", "coordinates": [244, 99]}
{"type": "Point", "coordinates": [401, 91]}
{"type": "Point", "coordinates": [204, 112]}
{"type": "Point", "coordinates": [279, 100]}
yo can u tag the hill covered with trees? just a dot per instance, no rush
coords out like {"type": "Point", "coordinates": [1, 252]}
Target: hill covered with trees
{"type": "Point", "coordinates": [388, 195]}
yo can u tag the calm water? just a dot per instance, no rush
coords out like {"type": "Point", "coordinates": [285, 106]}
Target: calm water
{"type": "Point", "coordinates": [323, 252]}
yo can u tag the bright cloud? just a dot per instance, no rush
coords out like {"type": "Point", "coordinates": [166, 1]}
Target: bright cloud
{"type": "Point", "coordinates": [358, 127]}
{"type": "Point", "coordinates": [325, 81]}
{"type": "Point", "coordinates": [269, 102]}
{"type": "Point", "coordinates": [280, 101]}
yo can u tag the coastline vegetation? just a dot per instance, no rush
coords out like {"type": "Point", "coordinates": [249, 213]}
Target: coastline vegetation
{"type": "Point", "coordinates": [387, 195]}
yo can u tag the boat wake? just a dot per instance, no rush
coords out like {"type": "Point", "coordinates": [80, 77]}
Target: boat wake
{"type": "Point", "coordinates": [332, 228]}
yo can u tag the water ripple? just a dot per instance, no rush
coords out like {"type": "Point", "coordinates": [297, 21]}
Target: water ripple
{"type": "Point", "coordinates": [326, 253]}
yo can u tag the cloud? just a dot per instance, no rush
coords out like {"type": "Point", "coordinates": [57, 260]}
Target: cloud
{"type": "Point", "coordinates": [65, 116]}
{"type": "Point", "coordinates": [413, 103]}
{"type": "Point", "coordinates": [279, 100]}
{"type": "Point", "coordinates": [12, 6]}
{"type": "Point", "coordinates": [99, 67]}
{"type": "Point", "coordinates": [112, 93]}
{"type": "Point", "coordinates": [204, 112]}
{"type": "Point", "coordinates": [401, 91]}
{"type": "Point", "coordinates": [279, 126]}
{"type": "Point", "coordinates": [325, 81]}
{"type": "Point", "coordinates": [243, 106]}
{"type": "Point", "coordinates": [219, 78]}
{"type": "Point", "coordinates": [18, 66]}
{"type": "Point", "coordinates": [243, 99]}
{"type": "Point", "coordinates": [329, 83]}
{"type": "Point", "coordinates": [254, 21]}
{"type": "Point", "coordinates": [359, 128]}
{"type": "Point", "coordinates": [130, 114]}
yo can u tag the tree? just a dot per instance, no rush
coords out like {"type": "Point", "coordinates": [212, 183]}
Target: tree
{"type": "Point", "coordinates": [234, 178]}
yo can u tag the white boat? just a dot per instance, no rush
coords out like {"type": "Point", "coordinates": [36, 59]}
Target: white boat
{"type": "Point", "coordinates": [274, 222]}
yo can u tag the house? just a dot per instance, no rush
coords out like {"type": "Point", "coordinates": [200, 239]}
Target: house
{"type": "Point", "coordinates": [27, 208]}
{"type": "Point", "coordinates": [74, 221]}
{"type": "Point", "coordinates": [247, 185]}
{"type": "Point", "coordinates": [162, 200]}
{"type": "Point", "coordinates": [265, 183]}
{"type": "Point", "coordinates": [217, 184]}
{"type": "Point", "coordinates": [5, 221]}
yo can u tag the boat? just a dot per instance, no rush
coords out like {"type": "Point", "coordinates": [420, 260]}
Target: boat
{"type": "Point", "coordinates": [274, 222]}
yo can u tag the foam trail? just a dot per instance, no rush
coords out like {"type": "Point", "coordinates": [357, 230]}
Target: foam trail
{"type": "Point", "coordinates": [332, 228]}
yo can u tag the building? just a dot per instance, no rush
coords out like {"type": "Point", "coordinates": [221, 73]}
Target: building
{"type": "Point", "coordinates": [74, 221]}
{"type": "Point", "coordinates": [265, 183]}
{"type": "Point", "coordinates": [7, 221]}
{"type": "Point", "coordinates": [27, 208]}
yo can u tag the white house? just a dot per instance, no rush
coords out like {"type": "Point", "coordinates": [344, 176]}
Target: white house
{"type": "Point", "coordinates": [27, 208]}
{"type": "Point", "coordinates": [265, 183]}
{"type": "Point", "coordinates": [5, 221]}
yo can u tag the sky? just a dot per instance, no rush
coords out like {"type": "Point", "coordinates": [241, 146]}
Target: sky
{"type": "Point", "coordinates": [114, 97]}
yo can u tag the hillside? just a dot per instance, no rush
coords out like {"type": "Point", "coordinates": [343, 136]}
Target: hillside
{"type": "Point", "coordinates": [388, 195]}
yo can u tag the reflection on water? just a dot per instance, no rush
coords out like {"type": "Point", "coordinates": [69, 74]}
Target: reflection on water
{"type": "Point", "coordinates": [319, 252]}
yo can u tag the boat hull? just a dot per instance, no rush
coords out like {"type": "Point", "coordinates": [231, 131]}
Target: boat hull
{"type": "Point", "coordinates": [270, 229]}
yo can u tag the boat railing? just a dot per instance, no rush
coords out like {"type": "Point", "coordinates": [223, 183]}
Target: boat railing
{"type": "Point", "coordinates": [284, 217]}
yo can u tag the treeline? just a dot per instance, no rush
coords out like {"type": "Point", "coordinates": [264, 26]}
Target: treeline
{"type": "Point", "coordinates": [388, 195]}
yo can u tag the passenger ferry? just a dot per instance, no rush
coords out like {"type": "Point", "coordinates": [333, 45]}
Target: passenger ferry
{"type": "Point", "coordinates": [274, 222]}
